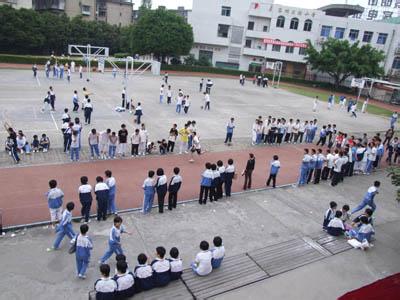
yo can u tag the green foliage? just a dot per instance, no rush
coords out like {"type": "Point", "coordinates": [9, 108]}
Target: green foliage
{"type": "Point", "coordinates": [394, 174]}
{"type": "Point", "coordinates": [25, 31]}
{"type": "Point", "coordinates": [340, 59]}
{"type": "Point", "coordinates": [162, 33]}
{"type": "Point", "coordinates": [204, 61]}
{"type": "Point", "coordinates": [190, 60]}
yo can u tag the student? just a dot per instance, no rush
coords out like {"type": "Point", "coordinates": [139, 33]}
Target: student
{"type": "Point", "coordinates": [337, 169]}
{"type": "Point", "coordinates": [218, 252]}
{"type": "Point", "coordinates": [123, 97]}
{"type": "Point", "coordinates": [368, 213]}
{"type": "Point", "coordinates": [173, 188]}
{"type": "Point", "coordinates": [161, 268]}
{"type": "Point", "coordinates": [175, 263]}
{"type": "Point", "coordinates": [169, 95]}
{"type": "Point", "coordinates": [144, 135]}
{"type": "Point", "coordinates": [75, 101]}
{"type": "Point", "coordinates": [346, 216]}
{"type": "Point", "coordinates": [74, 146]}
{"type": "Point", "coordinates": [104, 138]}
{"type": "Point", "coordinates": [35, 144]}
{"type": "Point", "coordinates": [329, 214]}
{"type": "Point", "coordinates": [44, 143]}
{"type": "Point", "coordinates": [143, 274]}
{"type": "Point", "coordinates": [312, 165]}
{"type": "Point", "coordinates": [84, 245]}
{"type": "Point", "coordinates": [220, 183]}
{"type": "Point", "coordinates": [161, 188]}
{"type": "Point", "coordinates": [202, 263]}
{"type": "Point", "coordinates": [93, 141]}
{"type": "Point", "coordinates": [112, 189]}
{"type": "Point", "coordinates": [173, 133]}
{"type": "Point", "coordinates": [206, 101]}
{"type": "Point", "coordinates": [122, 138]}
{"type": "Point", "coordinates": [364, 232]}
{"type": "Point", "coordinates": [275, 166]}
{"type": "Point", "coordinates": [184, 136]}
{"type": "Point", "coordinates": [101, 190]}
{"type": "Point", "coordinates": [138, 113]}
{"type": "Point", "coordinates": [205, 183]}
{"type": "Point", "coordinates": [368, 198]}
{"type": "Point", "coordinates": [114, 240]}
{"type": "Point", "coordinates": [149, 189]}
{"type": "Point", "coordinates": [305, 165]}
{"type": "Point", "coordinates": [195, 147]}
{"type": "Point", "coordinates": [335, 226]}
{"type": "Point", "coordinates": [55, 198]}
{"type": "Point", "coordinates": [201, 85]}
{"type": "Point", "coordinates": [229, 131]}
{"type": "Point", "coordinates": [161, 94]}
{"type": "Point", "coordinates": [186, 105]}
{"type": "Point", "coordinates": [248, 171]}
{"type": "Point", "coordinates": [85, 197]}
{"type": "Point", "coordinates": [214, 183]}
{"type": "Point", "coordinates": [112, 147]}
{"type": "Point", "coordinates": [65, 227]}
{"type": "Point", "coordinates": [88, 109]}
{"type": "Point", "coordinates": [66, 118]}
{"type": "Point", "coordinates": [125, 281]}
{"type": "Point", "coordinates": [106, 286]}
{"type": "Point", "coordinates": [229, 175]}
{"type": "Point", "coordinates": [328, 169]}
{"type": "Point", "coordinates": [320, 159]}
{"type": "Point", "coordinates": [67, 135]}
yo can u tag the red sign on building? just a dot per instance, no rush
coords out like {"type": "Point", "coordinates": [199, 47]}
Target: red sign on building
{"type": "Point", "coordinates": [290, 44]}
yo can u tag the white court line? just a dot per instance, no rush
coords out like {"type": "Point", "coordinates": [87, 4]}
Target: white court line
{"type": "Point", "coordinates": [54, 121]}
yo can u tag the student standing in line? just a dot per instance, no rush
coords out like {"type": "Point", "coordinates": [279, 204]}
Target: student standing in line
{"type": "Point", "coordinates": [275, 166]}
{"type": "Point", "coordinates": [84, 245]}
{"type": "Point", "coordinates": [55, 198]}
{"type": "Point", "coordinates": [219, 187]}
{"type": "Point", "coordinates": [214, 183]}
{"type": "Point", "coordinates": [101, 191]}
{"type": "Point", "coordinates": [229, 131]}
{"type": "Point", "coordinates": [122, 138]}
{"type": "Point", "coordinates": [248, 171]}
{"type": "Point", "coordinates": [337, 169]}
{"type": "Point", "coordinates": [85, 197]}
{"type": "Point", "coordinates": [173, 134]}
{"type": "Point", "coordinates": [318, 166]}
{"type": "Point", "coordinates": [74, 146]}
{"type": "Point", "coordinates": [135, 141]}
{"type": "Point", "coordinates": [64, 228]}
{"type": "Point", "coordinates": [93, 141]}
{"type": "Point", "coordinates": [312, 165]}
{"type": "Point", "coordinates": [88, 109]}
{"type": "Point", "coordinates": [305, 165]}
{"type": "Point", "coordinates": [114, 241]}
{"type": "Point", "coordinates": [149, 189]}
{"type": "Point", "coordinates": [144, 135]}
{"type": "Point", "coordinates": [205, 184]}
{"type": "Point", "coordinates": [104, 138]}
{"type": "Point", "coordinates": [112, 190]}
{"type": "Point", "coordinates": [113, 141]}
{"type": "Point", "coordinates": [229, 175]}
{"type": "Point", "coordinates": [173, 188]}
{"type": "Point", "coordinates": [161, 188]}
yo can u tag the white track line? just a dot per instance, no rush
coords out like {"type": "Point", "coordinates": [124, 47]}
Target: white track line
{"type": "Point", "coordinates": [54, 121]}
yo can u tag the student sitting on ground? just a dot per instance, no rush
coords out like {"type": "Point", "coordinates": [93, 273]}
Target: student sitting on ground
{"type": "Point", "coordinates": [143, 274]}
{"type": "Point", "coordinates": [202, 263]}
{"type": "Point", "coordinates": [106, 286]}
{"type": "Point", "coordinates": [364, 232]}
{"type": "Point", "coordinates": [161, 268]}
{"type": "Point", "coordinates": [35, 144]}
{"type": "Point", "coordinates": [125, 281]}
{"type": "Point", "coordinates": [121, 257]}
{"type": "Point", "coordinates": [44, 143]}
{"type": "Point", "coordinates": [162, 146]}
{"type": "Point", "coordinates": [176, 264]}
{"type": "Point", "coordinates": [329, 214]}
{"type": "Point", "coordinates": [218, 252]}
{"type": "Point", "coordinates": [367, 213]}
{"type": "Point", "coordinates": [335, 226]}
{"type": "Point", "coordinates": [346, 217]}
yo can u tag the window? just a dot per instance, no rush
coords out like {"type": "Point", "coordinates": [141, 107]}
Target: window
{"type": "Point", "coordinates": [396, 63]}
{"type": "Point", "coordinates": [294, 23]}
{"type": "Point", "coordinates": [280, 22]}
{"type": "Point", "coordinates": [302, 51]}
{"type": "Point", "coordinates": [86, 10]}
{"type": "Point", "coordinates": [326, 30]}
{"type": "Point", "coordinates": [382, 37]}
{"type": "Point", "coordinates": [307, 25]}
{"type": "Point", "coordinates": [226, 11]}
{"type": "Point", "coordinates": [248, 44]}
{"type": "Point", "coordinates": [250, 25]}
{"type": "Point", "coordinates": [276, 48]}
{"type": "Point", "coordinates": [289, 49]}
{"type": "Point", "coordinates": [367, 36]}
{"type": "Point", "coordinates": [353, 34]}
{"type": "Point", "coordinates": [265, 28]}
{"type": "Point", "coordinates": [206, 55]}
{"type": "Point", "coordinates": [339, 33]}
{"type": "Point", "coordinates": [223, 30]}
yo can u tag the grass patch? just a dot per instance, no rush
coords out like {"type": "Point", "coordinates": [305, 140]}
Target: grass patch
{"type": "Point", "coordinates": [323, 96]}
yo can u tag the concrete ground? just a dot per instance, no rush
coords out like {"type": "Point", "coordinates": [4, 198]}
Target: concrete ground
{"type": "Point", "coordinates": [246, 222]}
{"type": "Point", "coordinates": [21, 100]}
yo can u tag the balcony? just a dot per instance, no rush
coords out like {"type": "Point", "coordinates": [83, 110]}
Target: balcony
{"type": "Point", "coordinates": [256, 34]}
{"type": "Point", "coordinates": [254, 52]}
{"type": "Point", "coordinates": [262, 10]}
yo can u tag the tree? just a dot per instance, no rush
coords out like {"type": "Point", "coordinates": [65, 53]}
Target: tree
{"type": "Point", "coordinates": [162, 33]}
{"type": "Point", "coordinates": [340, 59]}
{"type": "Point", "coordinates": [394, 174]}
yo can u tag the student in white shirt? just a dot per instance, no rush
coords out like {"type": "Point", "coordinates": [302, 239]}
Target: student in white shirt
{"type": "Point", "coordinates": [104, 138]}
{"type": "Point", "coordinates": [218, 252]}
{"type": "Point", "coordinates": [161, 93]}
{"type": "Point", "coordinates": [161, 268]}
{"type": "Point", "coordinates": [337, 169]}
{"type": "Point", "coordinates": [336, 226]}
{"type": "Point", "coordinates": [206, 101]}
{"type": "Point", "coordinates": [202, 263]}
{"type": "Point", "coordinates": [175, 263]}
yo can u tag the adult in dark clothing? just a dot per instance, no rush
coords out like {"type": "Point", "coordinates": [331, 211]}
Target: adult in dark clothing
{"type": "Point", "coordinates": [249, 171]}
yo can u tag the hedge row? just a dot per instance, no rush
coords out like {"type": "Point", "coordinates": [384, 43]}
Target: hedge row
{"type": "Point", "coordinates": [41, 60]}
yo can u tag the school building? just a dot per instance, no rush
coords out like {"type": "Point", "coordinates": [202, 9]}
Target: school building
{"type": "Point", "coordinates": [247, 34]}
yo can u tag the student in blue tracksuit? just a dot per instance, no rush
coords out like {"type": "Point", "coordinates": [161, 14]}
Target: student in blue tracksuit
{"type": "Point", "coordinates": [101, 190]}
{"type": "Point", "coordinates": [55, 198]}
{"type": "Point", "coordinates": [380, 151]}
{"type": "Point", "coordinates": [175, 263]}
{"type": "Point", "coordinates": [229, 174]}
{"type": "Point", "coordinates": [106, 286]}
{"type": "Point", "coordinates": [218, 252]}
{"type": "Point", "coordinates": [275, 166]}
{"type": "Point", "coordinates": [205, 184]}
{"type": "Point", "coordinates": [82, 254]}
{"type": "Point", "coordinates": [229, 131]}
{"type": "Point", "coordinates": [312, 165]}
{"type": "Point", "coordinates": [114, 241]}
{"type": "Point", "coordinates": [65, 227]}
{"type": "Point", "coordinates": [161, 268]}
{"type": "Point", "coordinates": [112, 188]}
{"type": "Point", "coordinates": [320, 159]}
{"type": "Point", "coordinates": [143, 274]}
{"type": "Point", "coordinates": [125, 281]}
{"type": "Point", "coordinates": [368, 198]}
{"type": "Point", "coordinates": [85, 197]}
{"type": "Point", "coordinates": [305, 165]}
{"type": "Point", "coordinates": [149, 189]}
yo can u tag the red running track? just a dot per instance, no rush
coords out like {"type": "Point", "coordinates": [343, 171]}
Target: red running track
{"type": "Point", "coordinates": [22, 197]}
